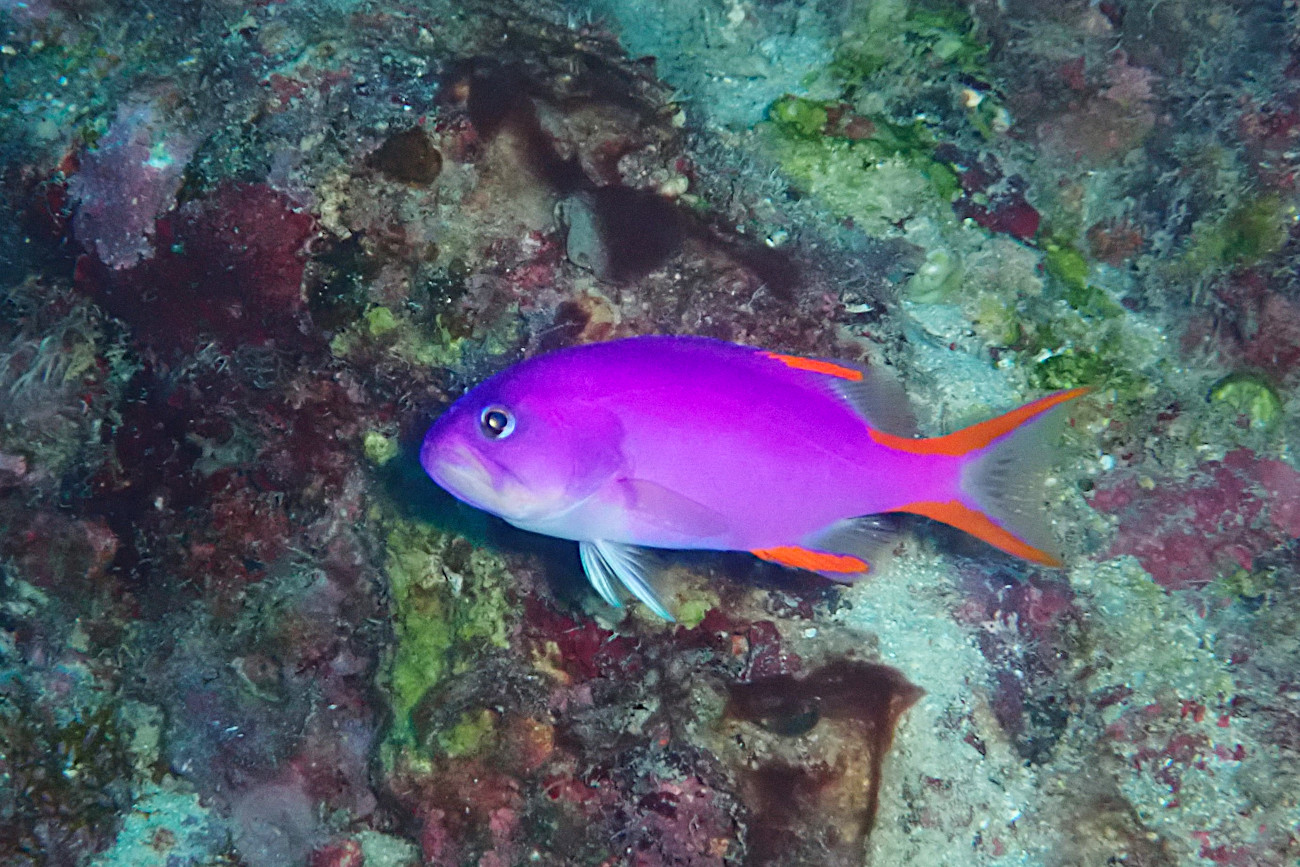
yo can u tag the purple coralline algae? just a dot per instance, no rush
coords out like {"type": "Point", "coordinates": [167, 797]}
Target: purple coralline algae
{"type": "Point", "coordinates": [128, 180]}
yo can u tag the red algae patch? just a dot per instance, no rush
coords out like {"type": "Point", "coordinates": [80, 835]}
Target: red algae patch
{"type": "Point", "coordinates": [1186, 532]}
{"type": "Point", "coordinates": [229, 269]}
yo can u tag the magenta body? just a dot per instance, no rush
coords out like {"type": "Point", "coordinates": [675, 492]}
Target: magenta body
{"type": "Point", "coordinates": [675, 442]}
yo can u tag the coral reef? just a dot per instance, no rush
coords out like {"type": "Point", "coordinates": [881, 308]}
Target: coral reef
{"type": "Point", "coordinates": [247, 254]}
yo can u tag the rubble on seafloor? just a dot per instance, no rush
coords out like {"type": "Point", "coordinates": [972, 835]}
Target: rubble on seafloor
{"type": "Point", "coordinates": [249, 251]}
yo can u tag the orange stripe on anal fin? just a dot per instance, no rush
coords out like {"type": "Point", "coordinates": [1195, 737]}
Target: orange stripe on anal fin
{"type": "Point", "coordinates": [977, 436]}
{"type": "Point", "coordinates": [816, 365]}
{"type": "Point", "coordinates": [813, 561]}
{"type": "Point", "coordinates": [981, 526]}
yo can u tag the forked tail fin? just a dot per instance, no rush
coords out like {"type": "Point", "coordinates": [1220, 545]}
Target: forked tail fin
{"type": "Point", "coordinates": [1005, 462]}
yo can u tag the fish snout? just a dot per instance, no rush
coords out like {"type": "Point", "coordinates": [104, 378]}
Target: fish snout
{"type": "Point", "coordinates": [459, 469]}
{"type": "Point", "coordinates": [486, 484]}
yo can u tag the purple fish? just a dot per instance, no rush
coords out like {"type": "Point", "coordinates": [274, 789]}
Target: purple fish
{"type": "Point", "coordinates": [687, 442]}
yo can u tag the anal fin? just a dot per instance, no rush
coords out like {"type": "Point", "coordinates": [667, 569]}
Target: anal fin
{"type": "Point", "coordinates": [609, 564]}
{"type": "Point", "coordinates": [843, 552]}
{"type": "Point", "coordinates": [838, 567]}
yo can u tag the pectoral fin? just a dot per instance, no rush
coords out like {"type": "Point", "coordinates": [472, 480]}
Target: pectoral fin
{"type": "Point", "coordinates": [650, 504]}
{"type": "Point", "coordinates": [608, 564]}
{"type": "Point", "coordinates": [601, 576]}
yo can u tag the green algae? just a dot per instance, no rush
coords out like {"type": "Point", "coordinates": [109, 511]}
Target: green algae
{"type": "Point", "coordinates": [1068, 351]}
{"type": "Point", "coordinates": [986, 113]}
{"type": "Point", "coordinates": [380, 449]}
{"type": "Point", "coordinates": [886, 175]}
{"type": "Point", "coordinates": [1245, 584]}
{"type": "Point", "coordinates": [947, 33]}
{"type": "Point", "coordinates": [386, 850]}
{"type": "Point", "coordinates": [879, 181]}
{"type": "Point", "coordinates": [884, 172]}
{"type": "Point", "coordinates": [421, 340]}
{"type": "Point", "coordinates": [450, 602]}
{"type": "Point", "coordinates": [1061, 347]}
{"type": "Point", "coordinates": [905, 36]}
{"type": "Point", "coordinates": [1073, 368]}
{"type": "Point", "coordinates": [471, 733]}
{"type": "Point", "coordinates": [798, 116]}
{"type": "Point", "coordinates": [379, 321]}
{"type": "Point", "coordinates": [1246, 235]}
{"type": "Point", "coordinates": [1091, 300]}
{"type": "Point", "coordinates": [1251, 395]}
{"type": "Point", "coordinates": [396, 333]}
{"type": "Point", "coordinates": [1067, 265]}
{"type": "Point", "coordinates": [866, 164]}
{"type": "Point", "coordinates": [1255, 230]}
{"type": "Point", "coordinates": [876, 194]}
{"type": "Point", "coordinates": [1068, 369]}
{"type": "Point", "coordinates": [691, 613]}
{"type": "Point", "coordinates": [996, 320]}
{"type": "Point", "coordinates": [694, 600]}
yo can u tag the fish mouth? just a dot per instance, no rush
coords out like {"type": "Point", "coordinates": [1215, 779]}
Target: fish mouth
{"type": "Point", "coordinates": [461, 471]}
{"type": "Point", "coordinates": [487, 485]}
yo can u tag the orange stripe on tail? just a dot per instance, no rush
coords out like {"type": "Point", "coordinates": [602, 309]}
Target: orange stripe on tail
{"type": "Point", "coordinates": [981, 526]}
{"type": "Point", "coordinates": [816, 365]}
{"type": "Point", "coordinates": [977, 436]}
{"type": "Point", "coordinates": [1002, 479]}
{"type": "Point", "coordinates": [814, 561]}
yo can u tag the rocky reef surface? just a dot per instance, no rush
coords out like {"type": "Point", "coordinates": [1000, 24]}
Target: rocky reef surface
{"type": "Point", "coordinates": [249, 251]}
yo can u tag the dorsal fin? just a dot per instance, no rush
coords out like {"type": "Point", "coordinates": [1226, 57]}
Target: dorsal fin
{"type": "Point", "coordinates": [877, 398]}
{"type": "Point", "coordinates": [837, 369]}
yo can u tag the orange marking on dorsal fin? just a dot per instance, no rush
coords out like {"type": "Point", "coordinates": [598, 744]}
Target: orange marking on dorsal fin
{"type": "Point", "coordinates": [814, 561]}
{"type": "Point", "coordinates": [980, 526]}
{"type": "Point", "coordinates": [816, 365]}
{"type": "Point", "coordinates": [977, 436]}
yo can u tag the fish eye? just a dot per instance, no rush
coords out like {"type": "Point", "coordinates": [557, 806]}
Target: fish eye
{"type": "Point", "coordinates": [497, 422]}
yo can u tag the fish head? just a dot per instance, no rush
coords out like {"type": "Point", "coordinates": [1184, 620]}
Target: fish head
{"type": "Point", "coordinates": [526, 454]}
